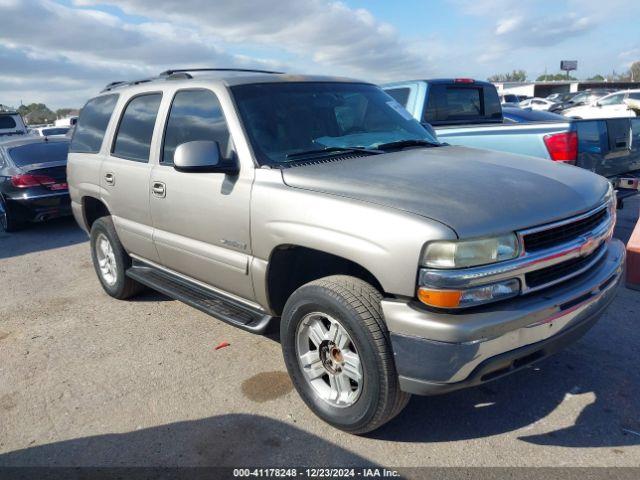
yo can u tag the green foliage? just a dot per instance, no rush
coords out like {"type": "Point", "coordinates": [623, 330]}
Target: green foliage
{"type": "Point", "coordinates": [36, 113]}
{"type": "Point", "coordinates": [550, 77]}
{"type": "Point", "coordinates": [514, 76]}
{"type": "Point", "coordinates": [596, 78]}
{"type": "Point", "coordinates": [64, 112]}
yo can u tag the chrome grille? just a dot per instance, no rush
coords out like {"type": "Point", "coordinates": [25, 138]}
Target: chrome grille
{"type": "Point", "coordinates": [551, 237]}
{"type": "Point", "coordinates": [562, 271]}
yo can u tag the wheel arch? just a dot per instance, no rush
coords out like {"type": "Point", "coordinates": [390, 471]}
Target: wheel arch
{"type": "Point", "coordinates": [92, 209]}
{"type": "Point", "coordinates": [290, 266]}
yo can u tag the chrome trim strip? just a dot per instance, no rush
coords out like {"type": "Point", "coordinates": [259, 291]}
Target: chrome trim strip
{"type": "Point", "coordinates": [36, 197]}
{"type": "Point", "coordinates": [582, 246]}
{"type": "Point", "coordinates": [224, 293]}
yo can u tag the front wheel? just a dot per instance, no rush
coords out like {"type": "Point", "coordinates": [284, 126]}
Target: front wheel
{"type": "Point", "coordinates": [338, 354]}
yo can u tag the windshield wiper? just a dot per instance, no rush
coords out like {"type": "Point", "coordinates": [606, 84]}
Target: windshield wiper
{"type": "Point", "coordinates": [329, 150]}
{"type": "Point", "coordinates": [400, 144]}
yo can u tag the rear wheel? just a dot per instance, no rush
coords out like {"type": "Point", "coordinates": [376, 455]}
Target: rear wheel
{"type": "Point", "coordinates": [9, 220]}
{"type": "Point", "coordinates": [338, 354]}
{"type": "Point", "coordinates": [111, 261]}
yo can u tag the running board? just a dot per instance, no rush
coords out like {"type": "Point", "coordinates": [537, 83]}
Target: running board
{"type": "Point", "coordinates": [215, 304]}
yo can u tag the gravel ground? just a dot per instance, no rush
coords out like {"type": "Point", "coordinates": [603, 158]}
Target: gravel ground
{"type": "Point", "coordinates": [89, 380]}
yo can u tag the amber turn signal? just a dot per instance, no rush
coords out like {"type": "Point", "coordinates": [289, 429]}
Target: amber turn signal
{"type": "Point", "coordinates": [440, 298]}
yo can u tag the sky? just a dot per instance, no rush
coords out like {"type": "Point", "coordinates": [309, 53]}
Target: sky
{"type": "Point", "coordinates": [62, 52]}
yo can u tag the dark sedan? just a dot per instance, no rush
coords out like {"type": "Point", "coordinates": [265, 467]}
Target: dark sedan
{"type": "Point", "coordinates": [33, 180]}
{"type": "Point", "coordinates": [524, 115]}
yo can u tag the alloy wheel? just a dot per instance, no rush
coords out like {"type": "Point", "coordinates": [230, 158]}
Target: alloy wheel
{"type": "Point", "coordinates": [329, 359]}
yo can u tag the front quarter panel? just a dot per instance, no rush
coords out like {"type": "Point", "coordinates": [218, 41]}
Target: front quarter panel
{"type": "Point", "coordinates": [385, 241]}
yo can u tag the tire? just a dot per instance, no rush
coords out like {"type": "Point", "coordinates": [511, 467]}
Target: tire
{"type": "Point", "coordinates": [355, 306]}
{"type": "Point", "coordinates": [115, 262]}
{"type": "Point", "coordinates": [9, 221]}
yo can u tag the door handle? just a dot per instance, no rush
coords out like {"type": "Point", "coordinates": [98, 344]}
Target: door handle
{"type": "Point", "coordinates": [159, 189]}
{"type": "Point", "coordinates": [109, 178]}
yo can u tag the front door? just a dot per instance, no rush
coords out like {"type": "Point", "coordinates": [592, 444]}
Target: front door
{"type": "Point", "coordinates": [201, 220]}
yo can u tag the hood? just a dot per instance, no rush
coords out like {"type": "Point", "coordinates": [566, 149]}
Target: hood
{"type": "Point", "coordinates": [475, 192]}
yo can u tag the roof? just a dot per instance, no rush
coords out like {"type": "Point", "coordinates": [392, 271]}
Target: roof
{"type": "Point", "coordinates": [20, 140]}
{"type": "Point", "coordinates": [229, 77]}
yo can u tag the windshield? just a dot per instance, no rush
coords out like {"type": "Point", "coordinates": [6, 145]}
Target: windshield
{"type": "Point", "coordinates": [39, 153]}
{"type": "Point", "coordinates": [285, 119]}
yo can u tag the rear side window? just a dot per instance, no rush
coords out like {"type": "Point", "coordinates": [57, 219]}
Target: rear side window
{"type": "Point", "coordinates": [400, 95]}
{"type": "Point", "coordinates": [133, 139]}
{"type": "Point", "coordinates": [7, 122]}
{"type": "Point", "coordinates": [195, 115]}
{"type": "Point", "coordinates": [452, 104]}
{"type": "Point", "coordinates": [92, 124]}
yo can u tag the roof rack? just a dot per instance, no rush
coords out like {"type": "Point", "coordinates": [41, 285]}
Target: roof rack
{"type": "Point", "coordinates": [114, 85]}
{"type": "Point", "coordinates": [181, 74]}
{"type": "Point", "coordinates": [169, 73]}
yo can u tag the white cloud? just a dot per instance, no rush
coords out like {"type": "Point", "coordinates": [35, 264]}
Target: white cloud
{"type": "Point", "coordinates": [338, 38]}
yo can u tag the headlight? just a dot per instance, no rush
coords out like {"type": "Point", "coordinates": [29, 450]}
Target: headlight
{"type": "Point", "coordinates": [469, 253]}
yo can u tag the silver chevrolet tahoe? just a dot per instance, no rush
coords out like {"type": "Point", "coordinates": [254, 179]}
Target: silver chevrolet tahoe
{"type": "Point", "coordinates": [393, 264]}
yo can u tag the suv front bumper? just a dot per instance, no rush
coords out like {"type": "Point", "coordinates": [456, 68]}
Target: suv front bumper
{"type": "Point", "coordinates": [437, 352]}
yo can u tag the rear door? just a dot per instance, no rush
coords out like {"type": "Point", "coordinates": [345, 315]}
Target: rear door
{"type": "Point", "coordinates": [201, 219]}
{"type": "Point", "coordinates": [126, 171]}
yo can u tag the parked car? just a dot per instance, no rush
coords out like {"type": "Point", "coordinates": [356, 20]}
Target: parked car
{"type": "Point", "coordinates": [393, 263]}
{"type": "Point", "coordinates": [510, 99]}
{"type": "Point", "coordinates": [560, 97]}
{"type": "Point", "coordinates": [67, 121]}
{"type": "Point", "coordinates": [609, 106]}
{"type": "Point", "coordinates": [581, 98]}
{"type": "Point", "coordinates": [11, 123]}
{"type": "Point", "coordinates": [537, 103]}
{"type": "Point", "coordinates": [33, 184]}
{"type": "Point", "coordinates": [468, 113]}
{"type": "Point", "coordinates": [50, 131]}
{"type": "Point", "coordinates": [520, 115]}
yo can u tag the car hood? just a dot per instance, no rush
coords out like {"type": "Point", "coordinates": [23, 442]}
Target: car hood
{"type": "Point", "coordinates": [475, 192]}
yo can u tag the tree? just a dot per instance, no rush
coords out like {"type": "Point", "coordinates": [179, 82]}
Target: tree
{"type": "Point", "coordinates": [634, 70]}
{"type": "Point", "coordinates": [36, 113]}
{"type": "Point", "coordinates": [596, 78]}
{"type": "Point", "coordinates": [514, 76]}
{"type": "Point", "coordinates": [554, 77]}
{"type": "Point", "coordinates": [64, 112]}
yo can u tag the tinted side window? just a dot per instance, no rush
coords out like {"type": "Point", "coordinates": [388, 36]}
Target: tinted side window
{"type": "Point", "coordinates": [195, 115]}
{"type": "Point", "coordinates": [7, 122]}
{"type": "Point", "coordinates": [92, 124]}
{"type": "Point", "coordinates": [133, 139]}
{"type": "Point", "coordinates": [451, 103]}
{"type": "Point", "coordinates": [400, 95]}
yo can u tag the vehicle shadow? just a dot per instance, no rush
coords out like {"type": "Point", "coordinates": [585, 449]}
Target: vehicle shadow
{"type": "Point", "coordinates": [231, 440]}
{"type": "Point", "coordinates": [60, 232]}
{"type": "Point", "coordinates": [592, 388]}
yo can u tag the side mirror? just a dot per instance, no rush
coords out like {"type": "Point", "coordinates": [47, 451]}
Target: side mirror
{"type": "Point", "coordinates": [202, 156]}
